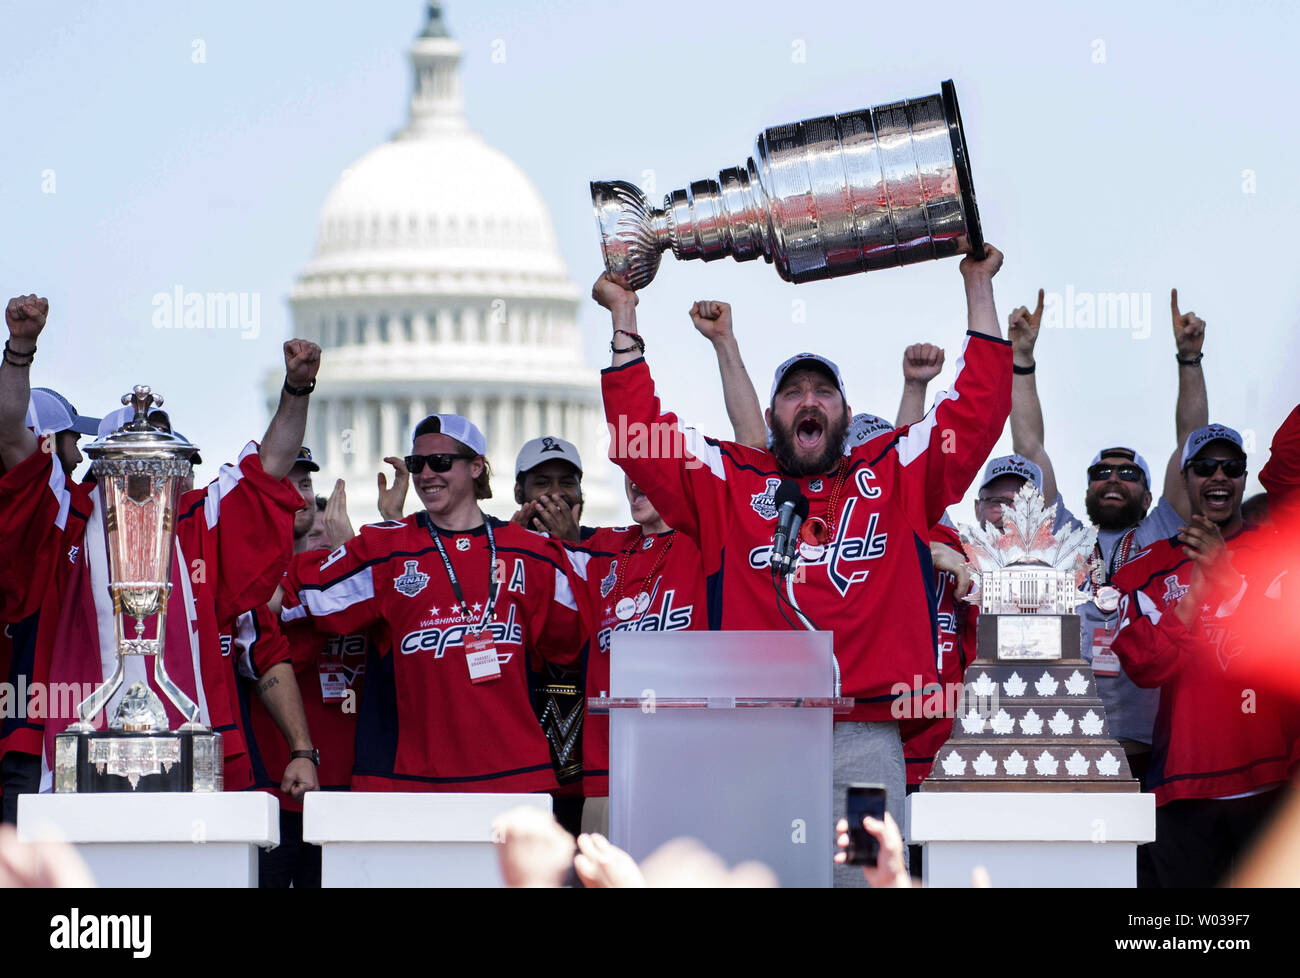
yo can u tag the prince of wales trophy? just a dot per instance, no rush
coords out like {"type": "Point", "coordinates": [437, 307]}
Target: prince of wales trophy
{"type": "Point", "coordinates": [1030, 717]}
{"type": "Point", "coordinates": [139, 469]}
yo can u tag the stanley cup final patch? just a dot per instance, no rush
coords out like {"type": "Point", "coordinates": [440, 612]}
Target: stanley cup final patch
{"type": "Point", "coordinates": [607, 582]}
{"type": "Point", "coordinates": [411, 582]}
{"type": "Point", "coordinates": [764, 502]}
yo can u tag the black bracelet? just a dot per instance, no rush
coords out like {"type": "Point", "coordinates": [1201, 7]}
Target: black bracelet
{"type": "Point", "coordinates": [1191, 363]}
{"type": "Point", "coordinates": [19, 361]}
{"type": "Point", "coordinates": [300, 391]}
{"type": "Point", "coordinates": [637, 342]}
{"type": "Point", "coordinates": [1023, 370]}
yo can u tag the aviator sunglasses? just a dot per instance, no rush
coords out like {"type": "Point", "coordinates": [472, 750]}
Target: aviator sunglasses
{"type": "Point", "coordinates": [1233, 468]}
{"type": "Point", "coordinates": [438, 462]}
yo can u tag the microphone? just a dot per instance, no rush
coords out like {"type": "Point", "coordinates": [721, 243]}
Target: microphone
{"type": "Point", "coordinates": [791, 510]}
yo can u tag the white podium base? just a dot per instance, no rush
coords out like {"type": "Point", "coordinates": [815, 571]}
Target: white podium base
{"type": "Point", "coordinates": [380, 838]}
{"type": "Point", "coordinates": [159, 838]}
{"type": "Point", "coordinates": [1055, 839]}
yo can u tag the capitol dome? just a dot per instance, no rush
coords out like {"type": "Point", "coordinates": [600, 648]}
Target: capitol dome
{"type": "Point", "coordinates": [436, 286]}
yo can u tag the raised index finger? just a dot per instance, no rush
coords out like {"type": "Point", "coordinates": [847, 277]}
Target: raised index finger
{"type": "Point", "coordinates": [1173, 303]}
{"type": "Point", "coordinates": [1038, 309]}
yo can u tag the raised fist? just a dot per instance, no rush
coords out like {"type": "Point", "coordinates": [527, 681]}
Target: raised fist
{"type": "Point", "coordinates": [922, 362]}
{"type": "Point", "coordinates": [1022, 328]}
{"type": "Point", "coordinates": [712, 318]}
{"type": "Point", "coordinates": [610, 294]}
{"type": "Point", "coordinates": [25, 317]}
{"type": "Point", "coordinates": [1189, 329]}
{"type": "Point", "coordinates": [301, 361]}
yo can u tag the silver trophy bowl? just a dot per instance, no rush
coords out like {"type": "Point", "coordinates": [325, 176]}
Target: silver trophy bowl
{"type": "Point", "coordinates": [831, 196]}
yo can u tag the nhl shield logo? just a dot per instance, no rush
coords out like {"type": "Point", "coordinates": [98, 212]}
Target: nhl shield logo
{"type": "Point", "coordinates": [815, 485]}
{"type": "Point", "coordinates": [607, 582]}
{"type": "Point", "coordinates": [764, 502]}
{"type": "Point", "coordinates": [412, 582]}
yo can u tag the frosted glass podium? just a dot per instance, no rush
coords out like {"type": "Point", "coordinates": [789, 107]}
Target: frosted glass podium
{"type": "Point", "coordinates": [724, 737]}
{"type": "Point", "coordinates": [159, 838]}
{"type": "Point", "coordinates": [408, 839]}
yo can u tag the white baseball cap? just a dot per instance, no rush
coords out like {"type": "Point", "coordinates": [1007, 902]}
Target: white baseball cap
{"type": "Point", "coordinates": [48, 410]}
{"type": "Point", "coordinates": [1016, 465]}
{"type": "Point", "coordinates": [801, 358]}
{"type": "Point", "coordinates": [544, 449]}
{"type": "Point", "coordinates": [1123, 452]}
{"type": "Point", "coordinates": [863, 428]}
{"type": "Point", "coordinates": [1201, 437]}
{"type": "Point", "coordinates": [454, 426]}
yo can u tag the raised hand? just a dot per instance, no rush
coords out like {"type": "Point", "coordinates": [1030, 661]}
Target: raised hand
{"type": "Point", "coordinates": [1189, 329]}
{"type": "Point", "coordinates": [301, 361]}
{"type": "Point", "coordinates": [25, 317]}
{"type": "Point", "coordinates": [392, 501]}
{"type": "Point", "coordinates": [338, 528]}
{"type": "Point", "coordinates": [1022, 330]}
{"type": "Point", "coordinates": [922, 362]}
{"type": "Point", "coordinates": [712, 318]}
{"type": "Point", "coordinates": [556, 517]}
{"type": "Point", "coordinates": [610, 294]}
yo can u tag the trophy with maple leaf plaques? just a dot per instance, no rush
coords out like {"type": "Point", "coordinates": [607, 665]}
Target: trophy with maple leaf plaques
{"type": "Point", "coordinates": [1029, 718]}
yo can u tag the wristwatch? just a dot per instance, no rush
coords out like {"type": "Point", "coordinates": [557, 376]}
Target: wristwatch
{"type": "Point", "coordinates": [312, 755]}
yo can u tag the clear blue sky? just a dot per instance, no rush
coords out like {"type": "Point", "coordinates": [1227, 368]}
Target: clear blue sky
{"type": "Point", "coordinates": [1109, 145]}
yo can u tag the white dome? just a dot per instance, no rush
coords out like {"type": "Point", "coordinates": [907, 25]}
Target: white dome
{"type": "Point", "coordinates": [443, 203]}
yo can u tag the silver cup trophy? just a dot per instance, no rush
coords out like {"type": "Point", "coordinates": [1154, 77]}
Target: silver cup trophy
{"type": "Point", "coordinates": [139, 469]}
{"type": "Point", "coordinates": [831, 196]}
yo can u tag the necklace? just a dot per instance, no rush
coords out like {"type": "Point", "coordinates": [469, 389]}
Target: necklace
{"type": "Point", "coordinates": [625, 607]}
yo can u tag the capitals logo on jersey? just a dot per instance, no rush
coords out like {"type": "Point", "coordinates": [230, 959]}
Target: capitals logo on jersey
{"type": "Point", "coordinates": [669, 619]}
{"type": "Point", "coordinates": [1174, 591]}
{"type": "Point", "coordinates": [439, 638]}
{"type": "Point", "coordinates": [412, 582]}
{"type": "Point", "coordinates": [841, 554]}
{"type": "Point", "coordinates": [764, 502]}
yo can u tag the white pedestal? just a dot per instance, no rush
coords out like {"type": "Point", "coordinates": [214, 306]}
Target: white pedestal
{"type": "Point", "coordinates": [1067, 839]}
{"type": "Point", "coordinates": [381, 838]}
{"type": "Point", "coordinates": [159, 838]}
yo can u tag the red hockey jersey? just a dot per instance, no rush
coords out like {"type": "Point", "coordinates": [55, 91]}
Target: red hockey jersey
{"type": "Point", "coordinates": [1217, 732]}
{"type": "Point", "coordinates": [232, 545]}
{"type": "Point", "coordinates": [929, 727]}
{"type": "Point", "coordinates": [424, 725]}
{"type": "Point", "coordinates": [618, 564]}
{"type": "Point", "coordinates": [870, 584]}
{"type": "Point", "coordinates": [328, 670]}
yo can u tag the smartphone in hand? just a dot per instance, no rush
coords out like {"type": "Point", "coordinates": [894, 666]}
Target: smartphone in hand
{"type": "Point", "coordinates": [863, 799]}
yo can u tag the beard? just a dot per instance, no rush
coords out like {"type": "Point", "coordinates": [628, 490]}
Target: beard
{"type": "Point", "coordinates": [1130, 514]}
{"type": "Point", "coordinates": [784, 449]}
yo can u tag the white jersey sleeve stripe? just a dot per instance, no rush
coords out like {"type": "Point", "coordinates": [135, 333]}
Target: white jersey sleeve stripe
{"type": "Point", "coordinates": [59, 486]}
{"type": "Point", "coordinates": [706, 452]}
{"type": "Point", "coordinates": [564, 593]}
{"type": "Point", "coordinates": [1148, 607]}
{"type": "Point", "coordinates": [340, 596]}
{"type": "Point", "coordinates": [228, 476]}
{"type": "Point", "coordinates": [578, 560]}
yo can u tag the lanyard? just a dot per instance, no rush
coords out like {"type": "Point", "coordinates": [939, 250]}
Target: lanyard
{"type": "Point", "coordinates": [494, 584]}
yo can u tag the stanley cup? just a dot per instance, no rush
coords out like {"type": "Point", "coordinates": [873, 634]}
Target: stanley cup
{"type": "Point", "coordinates": [139, 469]}
{"type": "Point", "coordinates": [878, 187]}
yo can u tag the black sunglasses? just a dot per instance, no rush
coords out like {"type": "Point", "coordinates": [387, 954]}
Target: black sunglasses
{"type": "Point", "coordinates": [438, 462]}
{"type": "Point", "coordinates": [1233, 468]}
{"type": "Point", "coordinates": [1127, 473]}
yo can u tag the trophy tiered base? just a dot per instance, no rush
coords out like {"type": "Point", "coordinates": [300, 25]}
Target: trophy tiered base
{"type": "Point", "coordinates": [96, 762]}
{"type": "Point", "coordinates": [1030, 719]}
